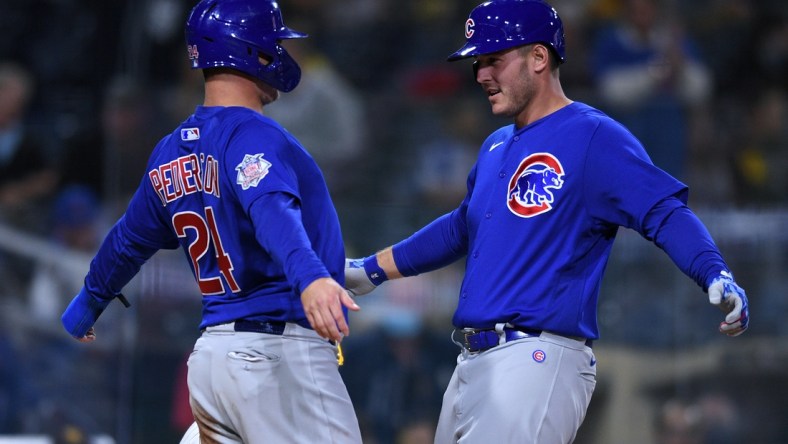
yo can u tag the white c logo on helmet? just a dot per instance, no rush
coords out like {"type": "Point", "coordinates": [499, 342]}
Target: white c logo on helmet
{"type": "Point", "coordinates": [469, 24]}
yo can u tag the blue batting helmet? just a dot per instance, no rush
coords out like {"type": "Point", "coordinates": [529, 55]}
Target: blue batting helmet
{"type": "Point", "coordinates": [502, 24]}
{"type": "Point", "coordinates": [235, 33]}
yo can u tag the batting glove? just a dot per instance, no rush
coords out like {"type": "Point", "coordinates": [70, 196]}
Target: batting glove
{"type": "Point", "coordinates": [363, 275]}
{"type": "Point", "coordinates": [726, 294]}
{"type": "Point", "coordinates": [82, 313]}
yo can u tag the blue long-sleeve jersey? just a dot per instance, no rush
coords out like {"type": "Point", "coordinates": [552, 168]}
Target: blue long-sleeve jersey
{"type": "Point", "coordinates": [537, 225]}
{"type": "Point", "coordinates": [250, 209]}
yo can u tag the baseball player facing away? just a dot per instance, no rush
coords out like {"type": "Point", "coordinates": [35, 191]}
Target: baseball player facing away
{"type": "Point", "coordinates": [252, 212]}
{"type": "Point", "coordinates": [545, 200]}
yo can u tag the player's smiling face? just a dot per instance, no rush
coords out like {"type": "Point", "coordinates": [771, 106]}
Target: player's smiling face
{"type": "Point", "coordinates": [505, 78]}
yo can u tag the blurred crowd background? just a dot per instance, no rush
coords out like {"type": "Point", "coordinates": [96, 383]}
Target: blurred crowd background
{"type": "Point", "coordinates": [88, 86]}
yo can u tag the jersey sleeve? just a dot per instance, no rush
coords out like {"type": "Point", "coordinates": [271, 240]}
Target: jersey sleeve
{"type": "Point", "coordinates": [674, 228]}
{"type": "Point", "coordinates": [259, 160]}
{"type": "Point", "coordinates": [278, 228]}
{"type": "Point", "coordinates": [135, 237]}
{"type": "Point", "coordinates": [443, 241]}
{"type": "Point", "coordinates": [622, 184]}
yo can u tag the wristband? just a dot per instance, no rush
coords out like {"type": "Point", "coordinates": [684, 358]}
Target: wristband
{"type": "Point", "coordinates": [83, 311]}
{"type": "Point", "coordinates": [375, 274]}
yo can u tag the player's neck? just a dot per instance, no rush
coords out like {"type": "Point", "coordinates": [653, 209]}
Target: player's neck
{"type": "Point", "coordinates": [548, 100]}
{"type": "Point", "coordinates": [232, 90]}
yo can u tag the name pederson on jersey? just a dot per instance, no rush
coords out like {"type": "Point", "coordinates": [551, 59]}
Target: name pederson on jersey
{"type": "Point", "coordinates": [201, 184]}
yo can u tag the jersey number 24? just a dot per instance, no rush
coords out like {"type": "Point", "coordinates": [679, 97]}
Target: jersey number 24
{"type": "Point", "coordinates": [206, 234]}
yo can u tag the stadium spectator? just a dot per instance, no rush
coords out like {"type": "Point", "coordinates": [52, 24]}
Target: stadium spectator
{"type": "Point", "coordinates": [326, 113]}
{"type": "Point", "coordinates": [110, 156]}
{"type": "Point", "coordinates": [650, 76]}
{"type": "Point", "coordinates": [27, 175]}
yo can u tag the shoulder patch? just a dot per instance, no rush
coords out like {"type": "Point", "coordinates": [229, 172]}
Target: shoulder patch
{"type": "Point", "coordinates": [252, 170]}
{"type": "Point", "coordinates": [190, 134]}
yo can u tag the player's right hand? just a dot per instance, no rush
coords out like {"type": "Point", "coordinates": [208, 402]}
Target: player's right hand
{"type": "Point", "coordinates": [726, 294]}
{"type": "Point", "coordinates": [356, 280]}
{"type": "Point", "coordinates": [323, 300]}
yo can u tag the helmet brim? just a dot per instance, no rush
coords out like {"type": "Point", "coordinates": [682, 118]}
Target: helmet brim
{"type": "Point", "coordinates": [287, 33]}
{"type": "Point", "coordinates": [468, 50]}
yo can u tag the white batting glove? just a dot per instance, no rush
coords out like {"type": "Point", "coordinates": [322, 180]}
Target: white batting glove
{"type": "Point", "coordinates": [357, 282]}
{"type": "Point", "coordinates": [726, 294]}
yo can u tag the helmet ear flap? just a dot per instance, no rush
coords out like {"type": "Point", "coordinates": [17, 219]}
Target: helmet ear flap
{"type": "Point", "coordinates": [283, 73]}
{"type": "Point", "coordinates": [475, 68]}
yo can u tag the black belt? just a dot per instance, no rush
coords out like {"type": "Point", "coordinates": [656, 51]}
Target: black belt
{"type": "Point", "coordinates": [480, 340]}
{"type": "Point", "coordinates": [269, 327]}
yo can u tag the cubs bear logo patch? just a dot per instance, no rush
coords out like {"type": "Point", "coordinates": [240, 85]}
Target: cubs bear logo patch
{"type": "Point", "coordinates": [530, 191]}
{"type": "Point", "coordinates": [252, 170]}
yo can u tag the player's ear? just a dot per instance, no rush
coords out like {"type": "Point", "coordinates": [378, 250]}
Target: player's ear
{"type": "Point", "coordinates": [540, 56]}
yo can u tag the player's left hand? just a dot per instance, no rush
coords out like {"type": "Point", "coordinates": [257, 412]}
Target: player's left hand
{"type": "Point", "coordinates": [726, 294]}
{"type": "Point", "coordinates": [323, 300]}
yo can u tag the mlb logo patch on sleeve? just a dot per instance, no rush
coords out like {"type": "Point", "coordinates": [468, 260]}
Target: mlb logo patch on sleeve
{"type": "Point", "coordinates": [190, 133]}
{"type": "Point", "coordinates": [252, 170]}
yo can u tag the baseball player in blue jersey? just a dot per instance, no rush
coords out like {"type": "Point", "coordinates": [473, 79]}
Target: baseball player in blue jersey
{"type": "Point", "coordinates": [545, 199]}
{"type": "Point", "coordinates": [252, 213]}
